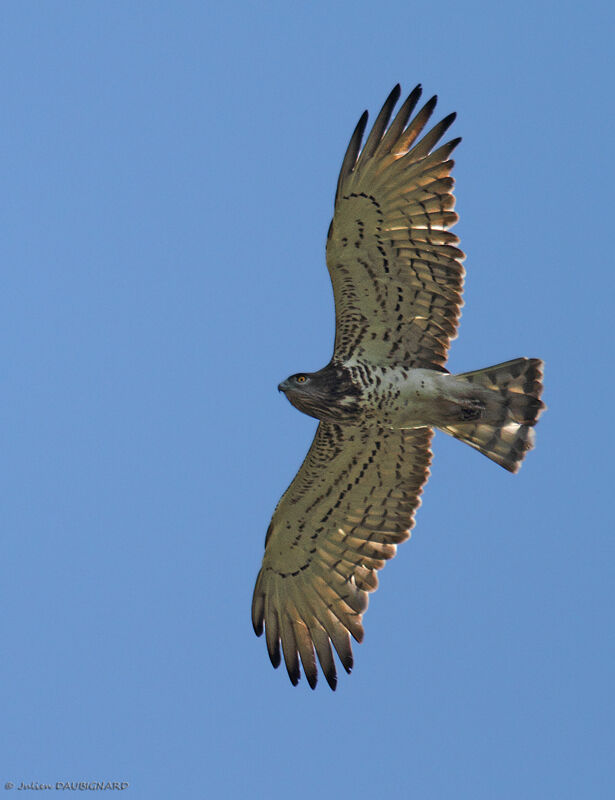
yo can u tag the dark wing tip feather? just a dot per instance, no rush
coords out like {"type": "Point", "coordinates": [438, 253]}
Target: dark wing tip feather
{"type": "Point", "coordinates": [391, 101]}
{"type": "Point", "coordinates": [352, 151]}
{"type": "Point", "coordinates": [393, 97]}
{"type": "Point", "coordinates": [258, 615]}
{"type": "Point", "coordinates": [311, 677]}
{"type": "Point", "coordinates": [275, 655]}
{"type": "Point", "coordinates": [414, 96]}
{"type": "Point", "coordinates": [258, 609]}
{"type": "Point", "coordinates": [378, 128]}
{"type": "Point", "coordinates": [347, 661]}
{"type": "Point", "coordinates": [291, 660]}
{"type": "Point", "coordinates": [331, 678]}
{"type": "Point", "coordinates": [448, 121]}
{"type": "Point", "coordinates": [430, 104]}
{"type": "Point", "coordinates": [425, 113]}
{"type": "Point", "coordinates": [411, 101]}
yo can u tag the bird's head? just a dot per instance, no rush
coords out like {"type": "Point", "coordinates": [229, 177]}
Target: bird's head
{"type": "Point", "coordinates": [301, 390]}
{"type": "Point", "coordinates": [327, 394]}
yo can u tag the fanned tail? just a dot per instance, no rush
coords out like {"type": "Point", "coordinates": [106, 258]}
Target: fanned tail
{"type": "Point", "coordinates": [505, 431]}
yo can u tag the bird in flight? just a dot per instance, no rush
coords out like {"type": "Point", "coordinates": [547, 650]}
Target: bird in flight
{"type": "Point", "coordinates": [397, 281]}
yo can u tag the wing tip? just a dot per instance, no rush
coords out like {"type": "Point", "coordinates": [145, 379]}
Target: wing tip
{"type": "Point", "coordinates": [415, 94]}
{"type": "Point", "coordinates": [331, 678]}
{"type": "Point", "coordinates": [449, 119]}
{"type": "Point", "coordinates": [347, 662]}
{"type": "Point", "coordinates": [294, 675]}
{"type": "Point", "coordinates": [275, 656]}
{"type": "Point", "coordinates": [394, 95]}
{"type": "Point", "coordinates": [312, 679]}
{"type": "Point", "coordinates": [258, 608]}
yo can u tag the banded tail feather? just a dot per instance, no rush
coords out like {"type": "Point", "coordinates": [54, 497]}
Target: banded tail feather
{"type": "Point", "coordinates": [505, 431]}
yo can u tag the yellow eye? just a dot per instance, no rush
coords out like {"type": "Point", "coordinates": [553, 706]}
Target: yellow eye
{"type": "Point", "coordinates": [301, 379]}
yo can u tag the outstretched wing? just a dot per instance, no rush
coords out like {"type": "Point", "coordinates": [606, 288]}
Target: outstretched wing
{"type": "Point", "coordinates": [396, 272]}
{"type": "Point", "coordinates": [350, 504]}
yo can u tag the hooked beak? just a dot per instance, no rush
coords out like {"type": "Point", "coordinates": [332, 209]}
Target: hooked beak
{"type": "Point", "coordinates": [282, 387]}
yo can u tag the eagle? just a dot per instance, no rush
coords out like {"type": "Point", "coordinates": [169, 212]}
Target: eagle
{"type": "Point", "coordinates": [397, 281]}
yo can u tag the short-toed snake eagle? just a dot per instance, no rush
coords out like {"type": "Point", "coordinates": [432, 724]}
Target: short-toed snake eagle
{"type": "Point", "coordinates": [397, 280]}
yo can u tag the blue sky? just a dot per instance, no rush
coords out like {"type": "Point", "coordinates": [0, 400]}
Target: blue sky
{"type": "Point", "coordinates": [168, 172]}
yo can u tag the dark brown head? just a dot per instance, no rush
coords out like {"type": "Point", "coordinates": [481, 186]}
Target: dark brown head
{"type": "Point", "coordinates": [328, 394]}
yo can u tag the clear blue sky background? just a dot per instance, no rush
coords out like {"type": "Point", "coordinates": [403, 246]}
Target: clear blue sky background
{"type": "Point", "coordinates": [167, 179]}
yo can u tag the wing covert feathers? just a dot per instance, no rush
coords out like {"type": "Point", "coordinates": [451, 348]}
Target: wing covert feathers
{"type": "Point", "coordinates": [396, 270]}
{"type": "Point", "coordinates": [332, 530]}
